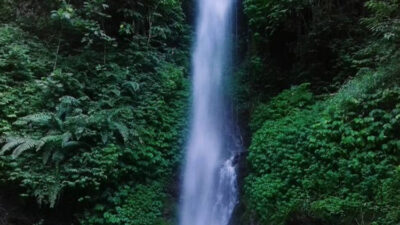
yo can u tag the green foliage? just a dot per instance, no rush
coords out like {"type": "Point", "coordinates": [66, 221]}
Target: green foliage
{"type": "Point", "coordinates": [297, 41]}
{"type": "Point", "coordinates": [381, 22]}
{"type": "Point", "coordinates": [91, 113]}
{"type": "Point", "coordinates": [22, 59]}
{"type": "Point", "coordinates": [332, 161]}
{"type": "Point", "coordinates": [87, 20]}
{"type": "Point", "coordinates": [285, 103]}
{"type": "Point", "coordinates": [139, 205]}
{"type": "Point", "coordinates": [265, 16]}
{"type": "Point", "coordinates": [327, 165]}
{"type": "Point", "coordinates": [19, 58]}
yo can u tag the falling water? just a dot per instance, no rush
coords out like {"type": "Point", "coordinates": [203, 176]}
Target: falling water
{"type": "Point", "coordinates": [209, 183]}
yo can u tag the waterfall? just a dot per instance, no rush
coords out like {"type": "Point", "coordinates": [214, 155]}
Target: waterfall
{"type": "Point", "coordinates": [209, 192]}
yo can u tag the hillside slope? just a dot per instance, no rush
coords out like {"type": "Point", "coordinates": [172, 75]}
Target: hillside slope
{"type": "Point", "coordinates": [322, 98]}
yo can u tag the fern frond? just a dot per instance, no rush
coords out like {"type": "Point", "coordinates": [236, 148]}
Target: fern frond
{"type": "Point", "coordinates": [36, 119]}
{"type": "Point", "coordinates": [27, 145]}
{"type": "Point", "coordinates": [18, 145]}
{"type": "Point", "coordinates": [97, 118]}
{"type": "Point", "coordinates": [53, 193]}
{"type": "Point", "coordinates": [46, 156]}
{"type": "Point", "coordinates": [123, 131]}
{"type": "Point", "coordinates": [40, 145]}
{"type": "Point", "coordinates": [131, 86]}
{"type": "Point", "coordinates": [58, 156]}
{"type": "Point", "coordinates": [50, 139]}
{"type": "Point", "coordinates": [66, 137]}
{"type": "Point", "coordinates": [80, 120]}
{"type": "Point", "coordinates": [11, 143]}
{"type": "Point", "coordinates": [67, 103]}
{"type": "Point", "coordinates": [69, 100]}
{"type": "Point", "coordinates": [3, 140]}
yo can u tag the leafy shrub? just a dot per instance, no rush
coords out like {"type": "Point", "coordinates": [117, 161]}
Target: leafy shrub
{"type": "Point", "coordinates": [139, 205]}
{"type": "Point", "coordinates": [87, 107]}
{"type": "Point", "coordinates": [285, 103]}
{"type": "Point", "coordinates": [267, 16]}
{"type": "Point", "coordinates": [327, 166]}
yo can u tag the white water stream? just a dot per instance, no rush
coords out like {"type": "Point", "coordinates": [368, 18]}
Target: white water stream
{"type": "Point", "coordinates": [209, 192]}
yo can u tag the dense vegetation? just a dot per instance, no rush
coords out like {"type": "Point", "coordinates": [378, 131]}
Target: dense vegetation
{"type": "Point", "coordinates": [326, 150]}
{"type": "Point", "coordinates": [94, 101]}
{"type": "Point", "coordinates": [93, 109]}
